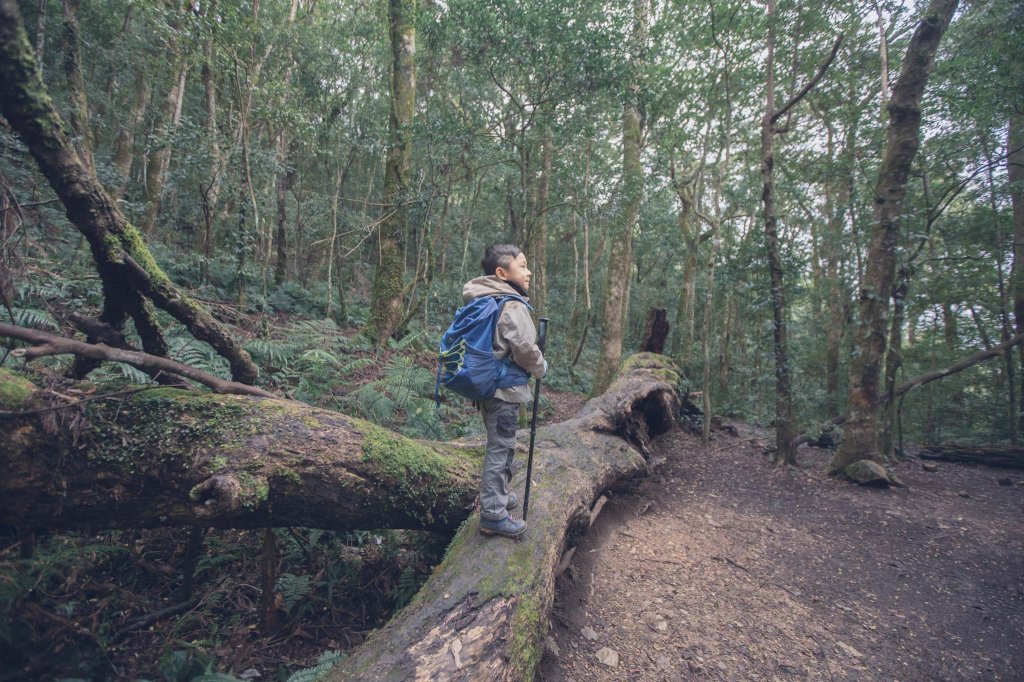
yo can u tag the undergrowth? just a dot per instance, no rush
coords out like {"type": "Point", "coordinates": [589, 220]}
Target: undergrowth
{"type": "Point", "coordinates": [87, 606]}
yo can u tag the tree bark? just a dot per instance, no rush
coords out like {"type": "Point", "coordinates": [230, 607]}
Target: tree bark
{"type": "Point", "coordinates": [386, 307]}
{"type": "Point", "coordinates": [860, 438]}
{"type": "Point", "coordinates": [125, 265]}
{"type": "Point", "coordinates": [620, 260]}
{"type": "Point", "coordinates": [785, 426]}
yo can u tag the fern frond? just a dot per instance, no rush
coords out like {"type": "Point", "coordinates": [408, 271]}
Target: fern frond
{"type": "Point", "coordinates": [293, 588]}
{"type": "Point", "coordinates": [328, 660]}
{"type": "Point", "coordinates": [34, 319]}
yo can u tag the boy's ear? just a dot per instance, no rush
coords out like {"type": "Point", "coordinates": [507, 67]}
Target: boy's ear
{"type": "Point", "coordinates": [500, 273]}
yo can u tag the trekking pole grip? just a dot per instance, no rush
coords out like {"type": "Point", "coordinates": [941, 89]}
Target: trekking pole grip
{"type": "Point", "coordinates": [542, 333]}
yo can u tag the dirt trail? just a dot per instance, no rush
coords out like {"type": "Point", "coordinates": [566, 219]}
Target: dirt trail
{"type": "Point", "coordinates": [722, 567]}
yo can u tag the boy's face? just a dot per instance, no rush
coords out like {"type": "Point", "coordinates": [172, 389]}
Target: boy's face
{"type": "Point", "coordinates": [516, 272]}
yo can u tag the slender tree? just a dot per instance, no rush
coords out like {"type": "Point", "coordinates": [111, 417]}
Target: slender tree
{"type": "Point", "coordinates": [860, 437]}
{"type": "Point", "coordinates": [1015, 175]}
{"type": "Point", "coordinates": [620, 259]}
{"type": "Point", "coordinates": [386, 307]}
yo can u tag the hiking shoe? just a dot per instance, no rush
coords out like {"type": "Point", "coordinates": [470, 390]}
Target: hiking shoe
{"type": "Point", "coordinates": [513, 501]}
{"type": "Point", "coordinates": [509, 527]}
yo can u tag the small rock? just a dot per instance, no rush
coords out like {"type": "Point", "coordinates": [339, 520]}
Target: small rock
{"type": "Point", "coordinates": [663, 662]}
{"type": "Point", "coordinates": [850, 650]}
{"type": "Point", "coordinates": [868, 473]}
{"type": "Point", "coordinates": [588, 633]}
{"type": "Point", "coordinates": [928, 466]}
{"type": "Point", "coordinates": [1006, 481]}
{"type": "Point", "coordinates": [610, 657]}
{"type": "Point", "coordinates": [964, 494]}
{"type": "Point", "coordinates": [662, 626]}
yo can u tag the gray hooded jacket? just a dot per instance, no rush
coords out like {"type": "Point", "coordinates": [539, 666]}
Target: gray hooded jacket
{"type": "Point", "coordinates": [514, 334]}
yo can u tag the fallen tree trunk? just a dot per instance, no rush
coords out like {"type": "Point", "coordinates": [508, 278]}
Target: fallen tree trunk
{"type": "Point", "coordinates": [992, 455]}
{"type": "Point", "coordinates": [490, 598]}
{"type": "Point", "coordinates": [162, 457]}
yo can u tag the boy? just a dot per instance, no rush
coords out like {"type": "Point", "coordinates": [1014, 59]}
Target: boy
{"type": "Point", "coordinates": [505, 273]}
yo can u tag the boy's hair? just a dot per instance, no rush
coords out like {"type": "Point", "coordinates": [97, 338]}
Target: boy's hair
{"type": "Point", "coordinates": [499, 255]}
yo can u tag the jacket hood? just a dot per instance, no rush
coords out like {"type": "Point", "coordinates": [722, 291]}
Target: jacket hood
{"type": "Point", "coordinates": [488, 285]}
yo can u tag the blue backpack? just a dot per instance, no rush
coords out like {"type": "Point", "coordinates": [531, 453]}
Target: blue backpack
{"type": "Point", "coordinates": [465, 363]}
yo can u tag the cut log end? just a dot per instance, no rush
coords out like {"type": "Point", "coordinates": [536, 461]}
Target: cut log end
{"type": "Point", "coordinates": [217, 495]}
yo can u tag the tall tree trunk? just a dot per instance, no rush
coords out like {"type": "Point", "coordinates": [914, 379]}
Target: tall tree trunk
{"type": "Point", "coordinates": [883, 53]}
{"type": "Point", "coordinates": [1015, 175]}
{"type": "Point", "coordinates": [159, 159]}
{"type": "Point", "coordinates": [281, 201]}
{"type": "Point", "coordinates": [620, 258]}
{"type": "Point", "coordinates": [860, 436]}
{"type": "Point", "coordinates": [894, 361]}
{"type": "Point", "coordinates": [682, 341]}
{"type": "Point", "coordinates": [386, 295]}
{"type": "Point", "coordinates": [41, 34]}
{"type": "Point", "coordinates": [1005, 325]}
{"type": "Point", "coordinates": [79, 109]}
{"type": "Point", "coordinates": [539, 237]}
{"type": "Point", "coordinates": [284, 176]}
{"type": "Point", "coordinates": [784, 427]}
{"type": "Point", "coordinates": [211, 192]}
{"type": "Point", "coordinates": [124, 147]}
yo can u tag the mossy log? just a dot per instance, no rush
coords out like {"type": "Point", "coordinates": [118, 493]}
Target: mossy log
{"type": "Point", "coordinates": [151, 457]}
{"type": "Point", "coordinates": [490, 598]}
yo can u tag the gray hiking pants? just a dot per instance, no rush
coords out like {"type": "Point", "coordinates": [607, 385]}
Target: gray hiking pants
{"type": "Point", "coordinates": [500, 420]}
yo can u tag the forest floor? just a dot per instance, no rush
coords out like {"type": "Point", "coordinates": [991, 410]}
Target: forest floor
{"type": "Point", "coordinates": [721, 566]}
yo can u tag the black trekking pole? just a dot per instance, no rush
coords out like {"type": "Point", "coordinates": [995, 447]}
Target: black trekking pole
{"type": "Point", "coordinates": [542, 335]}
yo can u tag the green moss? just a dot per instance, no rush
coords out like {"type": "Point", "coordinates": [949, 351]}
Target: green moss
{"type": "Point", "coordinates": [14, 390]}
{"type": "Point", "coordinates": [525, 648]}
{"type": "Point", "coordinates": [289, 475]}
{"type": "Point", "coordinates": [399, 457]}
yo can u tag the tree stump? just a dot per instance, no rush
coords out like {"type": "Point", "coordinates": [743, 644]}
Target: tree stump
{"type": "Point", "coordinates": [656, 331]}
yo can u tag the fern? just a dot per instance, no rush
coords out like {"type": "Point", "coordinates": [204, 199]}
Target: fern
{"type": "Point", "coordinates": [408, 341]}
{"type": "Point", "coordinates": [35, 319]}
{"type": "Point", "coordinates": [199, 355]}
{"type": "Point", "coordinates": [328, 660]}
{"type": "Point", "coordinates": [270, 351]}
{"type": "Point", "coordinates": [294, 589]}
{"type": "Point", "coordinates": [408, 585]}
{"type": "Point", "coordinates": [318, 357]}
